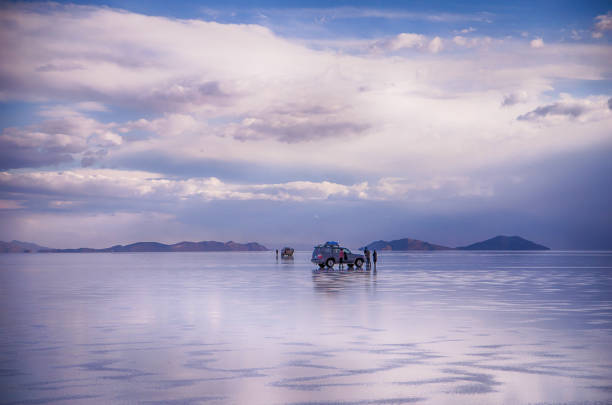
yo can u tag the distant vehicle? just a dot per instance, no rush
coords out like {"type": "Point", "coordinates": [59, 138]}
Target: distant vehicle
{"type": "Point", "coordinates": [287, 253]}
{"type": "Point", "coordinates": [328, 255]}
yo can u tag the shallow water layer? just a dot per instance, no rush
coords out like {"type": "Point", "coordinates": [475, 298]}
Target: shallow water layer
{"type": "Point", "coordinates": [243, 328]}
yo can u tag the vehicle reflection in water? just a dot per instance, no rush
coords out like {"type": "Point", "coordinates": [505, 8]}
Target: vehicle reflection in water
{"type": "Point", "coordinates": [331, 281]}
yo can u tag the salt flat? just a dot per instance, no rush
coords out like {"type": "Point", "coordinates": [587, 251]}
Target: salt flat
{"type": "Point", "coordinates": [430, 328]}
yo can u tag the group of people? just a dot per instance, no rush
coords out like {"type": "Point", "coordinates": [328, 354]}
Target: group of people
{"type": "Point", "coordinates": [366, 253]}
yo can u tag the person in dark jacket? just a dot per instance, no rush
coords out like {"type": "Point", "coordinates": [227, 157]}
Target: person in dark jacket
{"type": "Point", "coordinates": [366, 253]}
{"type": "Point", "coordinates": [375, 258]}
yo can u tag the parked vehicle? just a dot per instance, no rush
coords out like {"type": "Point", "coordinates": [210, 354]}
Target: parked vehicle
{"type": "Point", "coordinates": [328, 255]}
{"type": "Point", "coordinates": [287, 253]}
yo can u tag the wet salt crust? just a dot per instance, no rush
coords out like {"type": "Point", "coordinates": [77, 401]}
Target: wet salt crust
{"type": "Point", "coordinates": [238, 328]}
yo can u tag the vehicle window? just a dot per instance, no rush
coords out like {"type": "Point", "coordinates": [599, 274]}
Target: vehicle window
{"type": "Point", "coordinates": [348, 252]}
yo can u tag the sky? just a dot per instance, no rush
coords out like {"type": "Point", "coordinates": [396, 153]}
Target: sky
{"type": "Point", "coordinates": [293, 123]}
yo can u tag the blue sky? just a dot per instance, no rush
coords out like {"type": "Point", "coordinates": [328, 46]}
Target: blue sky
{"type": "Point", "coordinates": [292, 123]}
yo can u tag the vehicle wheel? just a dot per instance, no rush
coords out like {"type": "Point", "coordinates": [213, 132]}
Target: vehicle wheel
{"type": "Point", "coordinates": [321, 265]}
{"type": "Point", "coordinates": [359, 263]}
{"type": "Point", "coordinates": [330, 263]}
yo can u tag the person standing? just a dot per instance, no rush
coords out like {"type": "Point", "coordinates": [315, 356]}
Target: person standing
{"type": "Point", "coordinates": [366, 253]}
{"type": "Point", "coordinates": [341, 257]}
{"type": "Point", "coordinates": [375, 258]}
{"type": "Point", "coordinates": [276, 254]}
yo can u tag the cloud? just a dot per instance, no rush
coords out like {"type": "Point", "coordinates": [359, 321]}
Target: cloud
{"type": "Point", "coordinates": [459, 40]}
{"type": "Point", "coordinates": [514, 98]}
{"type": "Point", "coordinates": [435, 45]}
{"type": "Point", "coordinates": [398, 188]}
{"type": "Point", "coordinates": [537, 43]}
{"type": "Point", "coordinates": [189, 91]}
{"type": "Point", "coordinates": [568, 108]}
{"type": "Point", "coordinates": [603, 23]}
{"type": "Point", "coordinates": [575, 35]}
{"type": "Point", "coordinates": [462, 41]}
{"type": "Point", "coordinates": [408, 41]}
{"type": "Point", "coordinates": [112, 184]}
{"type": "Point", "coordinates": [323, 15]}
{"type": "Point", "coordinates": [293, 127]}
{"type": "Point", "coordinates": [401, 41]}
{"type": "Point", "coordinates": [170, 125]}
{"type": "Point", "coordinates": [465, 30]}
{"type": "Point", "coordinates": [54, 141]}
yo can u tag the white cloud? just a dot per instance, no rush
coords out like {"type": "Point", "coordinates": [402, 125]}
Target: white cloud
{"type": "Point", "coordinates": [119, 184]}
{"type": "Point", "coordinates": [462, 41]}
{"type": "Point", "coordinates": [170, 125]}
{"type": "Point", "coordinates": [537, 43]}
{"type": "Point", "coordinates": [603, 23]}
{"type": "Point", "coordinates": [435, 45]}
{"type": "Point", "coordinates": [465, 30]}
{"type": "Point", "coordinates": [459, 40]}
{"type": "Point", "coordinates": [431, 189]}
{"type": "Point", "coordinates": [238, 93]}
{"type": "Point", "coordinates": [401, 41]}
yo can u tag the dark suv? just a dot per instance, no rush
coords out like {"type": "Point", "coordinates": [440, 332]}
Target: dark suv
{"type": "Point", "coordinates": [328, 254]}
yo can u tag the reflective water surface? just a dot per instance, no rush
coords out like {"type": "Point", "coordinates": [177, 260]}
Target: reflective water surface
{"type": "Point", "coordinates": [243, 328]}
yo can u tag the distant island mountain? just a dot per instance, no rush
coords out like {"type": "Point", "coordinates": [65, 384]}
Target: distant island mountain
{"type": "Point", "coordinates": [204, 246]}
{"type": "Point", "coordinates": [497, 243]}
{"type": "Point", "coordinates": [505, 243]}
{"type": "Point", "coordinates": [20, 247]}
{"type": "Point", "coordinates": [404, 244]}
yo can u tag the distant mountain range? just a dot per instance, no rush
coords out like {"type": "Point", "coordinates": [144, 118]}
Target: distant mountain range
{"type": "Point", "coordinates": [205, 246]}
{"type": "Point", "coordinates": [404, 244]}
{"type": "Point", "coordinates": [20, 247]}
{"type": "Point", "coordinates": [497, 243]}
{"type": "Point", "coordinates": [505, 243]}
